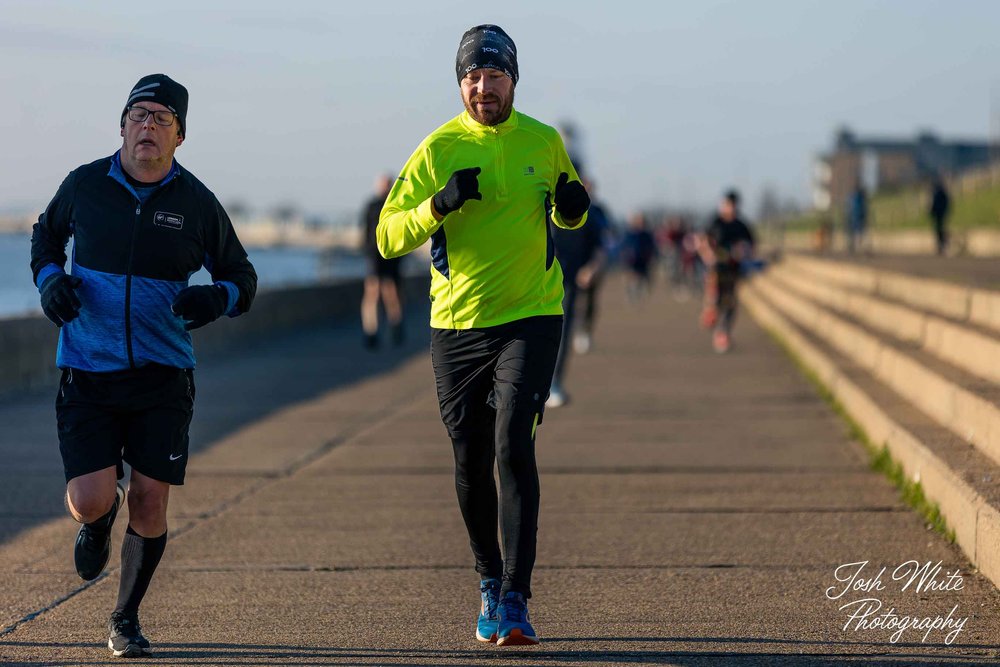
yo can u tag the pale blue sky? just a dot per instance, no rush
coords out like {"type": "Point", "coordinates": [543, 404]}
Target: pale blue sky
{"type": "Point", "coordinates": [305, 101]}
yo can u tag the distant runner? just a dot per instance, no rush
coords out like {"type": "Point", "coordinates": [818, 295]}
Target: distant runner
{"type": "Point", "coordinates": [638, 252]}
{"type": "Point", "coordinates": [382, 279]}
{"type": "Point", "coordinates": [582, 258]}
{"type": "Point", "coordinates": [727, 245]}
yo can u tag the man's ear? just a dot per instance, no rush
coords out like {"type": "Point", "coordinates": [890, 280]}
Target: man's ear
{"type": "Point", "coordinates": [180, 139]}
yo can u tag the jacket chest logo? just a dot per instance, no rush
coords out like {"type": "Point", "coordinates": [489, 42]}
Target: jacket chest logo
{"type": "Point", "coordinates": [529, 171]}
{"type": "Point", "coordinates": [169, 220]}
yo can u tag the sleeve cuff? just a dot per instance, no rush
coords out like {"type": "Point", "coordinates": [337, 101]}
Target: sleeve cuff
{"type": "Point", "coordinates": [47, 271]}
{"type": "Point", "coordinates": [234, 294]}
{"type": "Point", "coordinates": [425, 215]}
{"type": "Point", "coordinates": [558, 219]}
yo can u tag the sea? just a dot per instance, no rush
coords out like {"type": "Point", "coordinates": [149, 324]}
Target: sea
{"type": "Point", "coordinates": [276, 267]}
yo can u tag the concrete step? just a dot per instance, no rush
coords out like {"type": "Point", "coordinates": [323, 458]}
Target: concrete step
{"type": "Point", "coordinates": [972, 347]}
{"type": "Point", "coordinates": [967, 406]}
{"type": "Point", "coordinates": [962, 480]}
{"type": "Point", "coordinates": [963, 302]}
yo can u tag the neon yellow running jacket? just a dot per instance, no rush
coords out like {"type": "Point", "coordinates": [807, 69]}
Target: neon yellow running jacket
{"type": "Point", "coordinates": [492, 261]}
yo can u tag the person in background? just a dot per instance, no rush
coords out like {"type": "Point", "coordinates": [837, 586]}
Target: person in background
{"type": "Point", "coordinates": [582, 258]}
{"type": "Point", "coordinates": [939, 209]}
{"type": "Point", "coordinates": [727, 245]}
{"type": "Point", "coordinates": [382, 278]}
{"type": "Point", "coordinates": [857, 218]}
{"type": "Point", "coordinates": [673, 233]}
{"type": "Point", "coordinates": [589, 287]}
{"type": "Point", "coordinates": [637, 253]}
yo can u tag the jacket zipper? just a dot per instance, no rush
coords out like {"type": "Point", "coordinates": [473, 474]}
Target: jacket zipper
{"type": "Point", "coordinates": [501, 176]}
{"type": "Point", "coordinates": [128, 289]}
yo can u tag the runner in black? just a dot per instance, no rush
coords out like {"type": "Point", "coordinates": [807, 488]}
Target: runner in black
{"type": "Point", "coordinates": [728, 244]}
{"type": "Point", "coordinates": [382, 279]}
{"type": "Point", "coordinates": [581, 256]}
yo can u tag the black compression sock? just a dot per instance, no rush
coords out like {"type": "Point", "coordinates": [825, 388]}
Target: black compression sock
{"type": "Point", "coordinates": [140, 556]}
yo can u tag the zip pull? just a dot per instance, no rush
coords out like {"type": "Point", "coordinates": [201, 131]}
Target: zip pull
{"type": "Point", "coordinates": [137, 210]}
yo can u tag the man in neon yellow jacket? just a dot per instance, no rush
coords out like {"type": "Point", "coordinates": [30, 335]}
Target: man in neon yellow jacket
{"type": "Point", "coordinates": [482, 187]}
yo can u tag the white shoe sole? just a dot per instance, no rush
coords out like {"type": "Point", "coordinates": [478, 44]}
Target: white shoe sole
{"type": "Point", "coordinates": [556, 401]}
{"type": "Point", "coordinates": [130, 651]}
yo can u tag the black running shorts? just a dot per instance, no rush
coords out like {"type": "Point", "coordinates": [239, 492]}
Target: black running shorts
{"type": "Point", "coordinates": [138, 416]}
{"type": "Point", "coordinates": [506, 367]}
{"type": "Point", "coordinates": [384, 269]}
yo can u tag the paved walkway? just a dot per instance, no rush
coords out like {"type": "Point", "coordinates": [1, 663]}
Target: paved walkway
{"type": "Point", "coordinates": [695, 508]}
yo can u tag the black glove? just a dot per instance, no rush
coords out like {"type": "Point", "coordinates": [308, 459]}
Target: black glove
{"type": "Point", "coordinates": [200, 304]}
{"type": "Point", "coordinates": [461, 187]}
{"type": "Point", "coordinates": [572, 200]}
{"type": "Point", "coordinates": [59, 300]}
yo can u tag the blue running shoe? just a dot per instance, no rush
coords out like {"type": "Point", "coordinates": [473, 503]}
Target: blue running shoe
{"type": "Point", "coordinates": [486, 626]}
{"type": "Point", "coordinates": [515, 629]}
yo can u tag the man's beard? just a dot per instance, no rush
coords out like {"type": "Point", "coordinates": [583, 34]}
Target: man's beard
{"type": "Point", "coordinates": [496, 117]}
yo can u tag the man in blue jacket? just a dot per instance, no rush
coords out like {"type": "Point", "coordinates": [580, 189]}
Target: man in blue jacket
{"type": "Point", "coordinates": [142, 225]}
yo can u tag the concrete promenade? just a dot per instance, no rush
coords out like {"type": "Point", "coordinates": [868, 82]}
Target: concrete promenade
{"type": "Point", "coordinates": [695, 509]}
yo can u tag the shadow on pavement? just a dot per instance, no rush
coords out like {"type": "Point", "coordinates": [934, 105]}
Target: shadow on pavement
{"type": "Point", "coordinates": [235, 654]}
{"type": "Point", "coordinates": [234, 388]}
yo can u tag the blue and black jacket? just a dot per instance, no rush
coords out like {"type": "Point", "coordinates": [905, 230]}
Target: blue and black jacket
{"type": "Point", "coordinates": [134, 254]}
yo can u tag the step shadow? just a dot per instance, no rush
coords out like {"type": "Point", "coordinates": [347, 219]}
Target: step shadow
{"type": "Point", "coordinates": [832, 653]}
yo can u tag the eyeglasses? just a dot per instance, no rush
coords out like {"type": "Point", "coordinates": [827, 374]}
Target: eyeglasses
{"type": "Point", "coordinates": [139, 114]}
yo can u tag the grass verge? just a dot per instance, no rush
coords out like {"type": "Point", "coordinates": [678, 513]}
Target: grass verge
{"type": "Point", "coordinates": [908, 209]}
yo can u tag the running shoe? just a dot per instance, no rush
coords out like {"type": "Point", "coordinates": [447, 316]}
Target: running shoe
{"type": "Point", "coordinates": [582, 343]}
{"type": "Point", "coordinates": [557, 397]}
{"type": "Point", "coordinates": [126, 640]}
{"type": "Point", "coordinates": [720, 342]}
{"type": "Point", "coordinates": [486, 626]}
{"type": "Point", "coordinates": [93, 542]}
{"type": "Point", "coordinates": [515, 628]}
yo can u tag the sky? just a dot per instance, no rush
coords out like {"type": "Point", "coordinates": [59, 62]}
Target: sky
{"type": "Point", "coordinates": [304, 102]}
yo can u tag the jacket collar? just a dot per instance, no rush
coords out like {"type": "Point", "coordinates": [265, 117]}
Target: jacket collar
{"type": "Point", "coordinates": [118, 174]}
{"type": "Point", "coordinates": [479, 129]}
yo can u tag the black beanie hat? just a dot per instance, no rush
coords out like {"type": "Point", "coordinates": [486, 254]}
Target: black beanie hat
{"type": "Point", "coordinates": [486, 46]}
{"type": "Point", "coordinates": [161, 89]}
